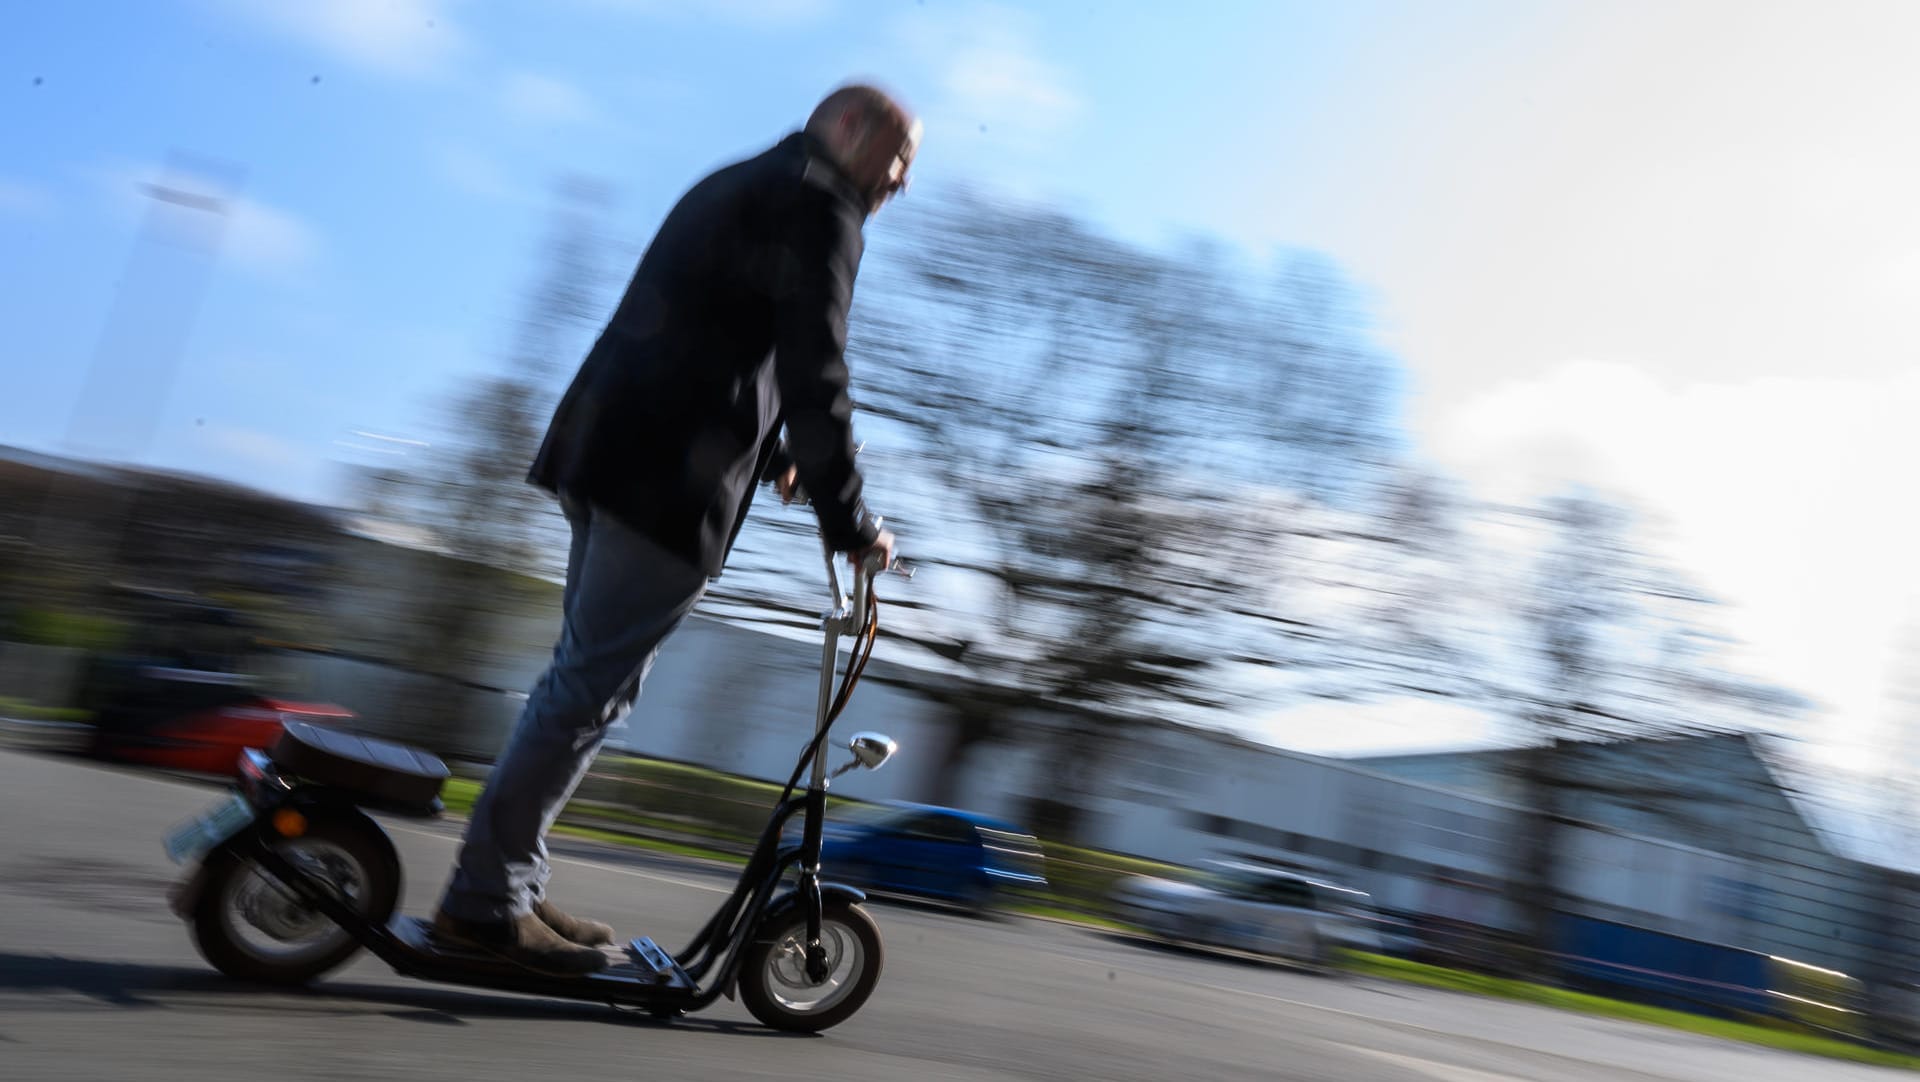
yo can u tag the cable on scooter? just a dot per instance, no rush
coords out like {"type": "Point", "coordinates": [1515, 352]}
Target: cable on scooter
{"type": "Point", "coordinates": [856, 665]}
{"type": "Point", "coordinates": [729, 913]}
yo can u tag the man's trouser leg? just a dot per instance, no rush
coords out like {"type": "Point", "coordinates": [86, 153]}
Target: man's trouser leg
{"type": "Point", "coordinates": [624, 596]}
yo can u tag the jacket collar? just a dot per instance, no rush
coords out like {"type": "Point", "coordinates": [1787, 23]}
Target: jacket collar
{"type": "Point", "coordinates": [820, 166]}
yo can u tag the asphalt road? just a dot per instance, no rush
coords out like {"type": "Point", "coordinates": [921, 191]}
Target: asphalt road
{"type": "Point", "coordinates": [98, 981]}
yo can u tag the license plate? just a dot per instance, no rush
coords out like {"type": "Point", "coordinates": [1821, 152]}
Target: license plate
{"type": "Point", "coordinates": [192, 839]}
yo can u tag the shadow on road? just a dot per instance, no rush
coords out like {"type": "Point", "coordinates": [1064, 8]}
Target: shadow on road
{"type": "Point", "coordinates": [122, 984]}
{"type": "Point", "coordinates": [1221, 955]}
{"type": "Point", "coordinates": [935, 907]}
{"type": "Point", "coordinates": [139, 985]}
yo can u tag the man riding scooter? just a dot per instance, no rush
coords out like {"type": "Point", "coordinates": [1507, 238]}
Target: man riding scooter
{"type": "Point", "coordinates": [733, 327]}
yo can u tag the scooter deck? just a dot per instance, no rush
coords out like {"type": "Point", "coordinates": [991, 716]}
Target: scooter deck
{"type": "Point", "coordinates": [641, 974]}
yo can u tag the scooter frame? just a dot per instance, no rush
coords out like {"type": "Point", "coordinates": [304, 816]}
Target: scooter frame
{"type": "Point", "coordinates": [667, 985]}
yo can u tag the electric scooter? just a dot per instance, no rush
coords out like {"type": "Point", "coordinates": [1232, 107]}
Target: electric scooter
{"type": "Point", "coordinates": [290, 876]}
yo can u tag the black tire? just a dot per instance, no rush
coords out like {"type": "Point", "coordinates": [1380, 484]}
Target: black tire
{"type": "Point", "coordinates": [843, 925]}
{"type": "Point", "coordinates": [1167, 928]}
{"type": "Point", "coordinates": [100, 745]}
{"type": "Point", "coordinates": [986, 903]}
{"type": "Point", "coordinates": [215, 932]}
{"type": "Point", "coordinates": [1320, 953]}
{"type": "Point", "coordinates": [1329, 958]}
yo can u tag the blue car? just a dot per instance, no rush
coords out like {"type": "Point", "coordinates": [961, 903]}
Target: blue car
{"type": "Point", "coordinates": [923, 851]}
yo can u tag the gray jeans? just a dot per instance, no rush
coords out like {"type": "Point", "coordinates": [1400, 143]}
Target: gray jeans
{"type": "Point", "coordinates": [624, 595]}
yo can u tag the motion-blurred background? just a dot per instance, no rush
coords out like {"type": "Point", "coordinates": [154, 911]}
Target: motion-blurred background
{"type": "Point", "coordinates": [1453, 452]}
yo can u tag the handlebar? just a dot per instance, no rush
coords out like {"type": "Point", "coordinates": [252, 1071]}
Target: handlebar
{"type": "Point", "coordinates": [854, 618]}
{"type": "Point", "coordinates": [855, 615]}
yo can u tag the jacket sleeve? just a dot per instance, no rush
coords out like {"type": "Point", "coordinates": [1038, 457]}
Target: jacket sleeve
{"type": "Point", "coordinates": [820, 249]}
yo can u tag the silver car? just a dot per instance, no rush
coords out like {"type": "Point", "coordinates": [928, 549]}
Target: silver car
{"type": "Point", "coordinates": [1252, 909]}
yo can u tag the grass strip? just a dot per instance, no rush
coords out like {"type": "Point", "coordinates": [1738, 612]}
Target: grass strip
{"type": "Point", "coordinates": [1375, 965]}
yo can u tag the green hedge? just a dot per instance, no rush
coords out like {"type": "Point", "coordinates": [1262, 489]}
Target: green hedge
{"type": "Point", "coordinates": [46, 627]}
{"type": "Point", "coordinates": [26, 711]}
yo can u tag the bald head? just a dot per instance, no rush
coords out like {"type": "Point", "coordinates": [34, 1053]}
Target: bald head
{"type": "Point", "coordinates": [871, 138]}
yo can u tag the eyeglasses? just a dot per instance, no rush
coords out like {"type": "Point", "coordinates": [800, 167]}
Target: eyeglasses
{"type": "Point", "coordinates": [899, 174]}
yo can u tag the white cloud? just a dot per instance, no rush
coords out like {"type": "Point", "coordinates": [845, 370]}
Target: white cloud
{"type": "Point", "coordinates": [249, 232]}
{"type": "Point", "coordinates": [1791, 498]}
{"type": "Point", "coordinates": [254, 447]}
{"type": "Point", "coordinates": [989, 70]}
{"type": "Point", "coordinates": [478, 173]}
{"type": "Point", "coordinates": [1593, 183]}
{"type": "Point", "coordinates": [265, 237]}
{"type": "Point", "coordinates": [399, 37]}
{"type": "Point", "coordinates": [756, 14]}
{"type": "Point", "coordinates": [998, 75]}
{"type": "Point", "coordinates": [780, 13]}
{"type": "Point", "coordinates": [1401, 725]}
{"type": "Point", "coordinates": [1727, 236]}
{"type": "Point", "coordinates": [541, 99]}
{"type": "Point", "coordinates": [23, 199]}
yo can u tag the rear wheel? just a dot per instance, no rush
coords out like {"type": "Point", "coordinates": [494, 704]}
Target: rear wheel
{"type": "Point", "coordinates": [250, 927]}
{"type": "Point", "coordinates": [774, 984]}
{"type": "Point", "coordinates": [1328, 955]}
{"type": "Point", "coordinates": [1167, 927]}
{"type": "Point", "coordinates": [984, 901]}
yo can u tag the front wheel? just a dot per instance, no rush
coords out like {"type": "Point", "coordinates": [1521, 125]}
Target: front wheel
{"type": "Point", "coordinates": [773, 981]}
{"type": "Point", "coordinates": [251, 928]}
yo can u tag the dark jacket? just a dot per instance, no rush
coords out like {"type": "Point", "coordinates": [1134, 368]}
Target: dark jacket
{"type": "Point", "coordinates": [734, 325]}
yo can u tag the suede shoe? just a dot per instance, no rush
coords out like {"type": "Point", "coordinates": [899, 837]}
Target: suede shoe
{"type": "Point", "coordinates": [525, 941]}
{"type": "Point", "coordinates": [587, 933]}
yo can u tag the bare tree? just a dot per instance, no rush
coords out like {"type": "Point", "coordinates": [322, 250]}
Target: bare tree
{"type": "Point", "coordinates": [1620, 651]}
{"type": "Point", "coordinates": [1087, 419]}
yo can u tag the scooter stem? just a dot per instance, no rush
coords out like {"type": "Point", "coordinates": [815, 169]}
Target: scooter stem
{"type": "Point", "coordinates": [830, 651]}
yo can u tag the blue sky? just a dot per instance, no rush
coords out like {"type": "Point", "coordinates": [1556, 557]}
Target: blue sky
{"type": "Point", "coordinates": [1669, 250]}
{"type": "Point", "coordinates": [396, 157]}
